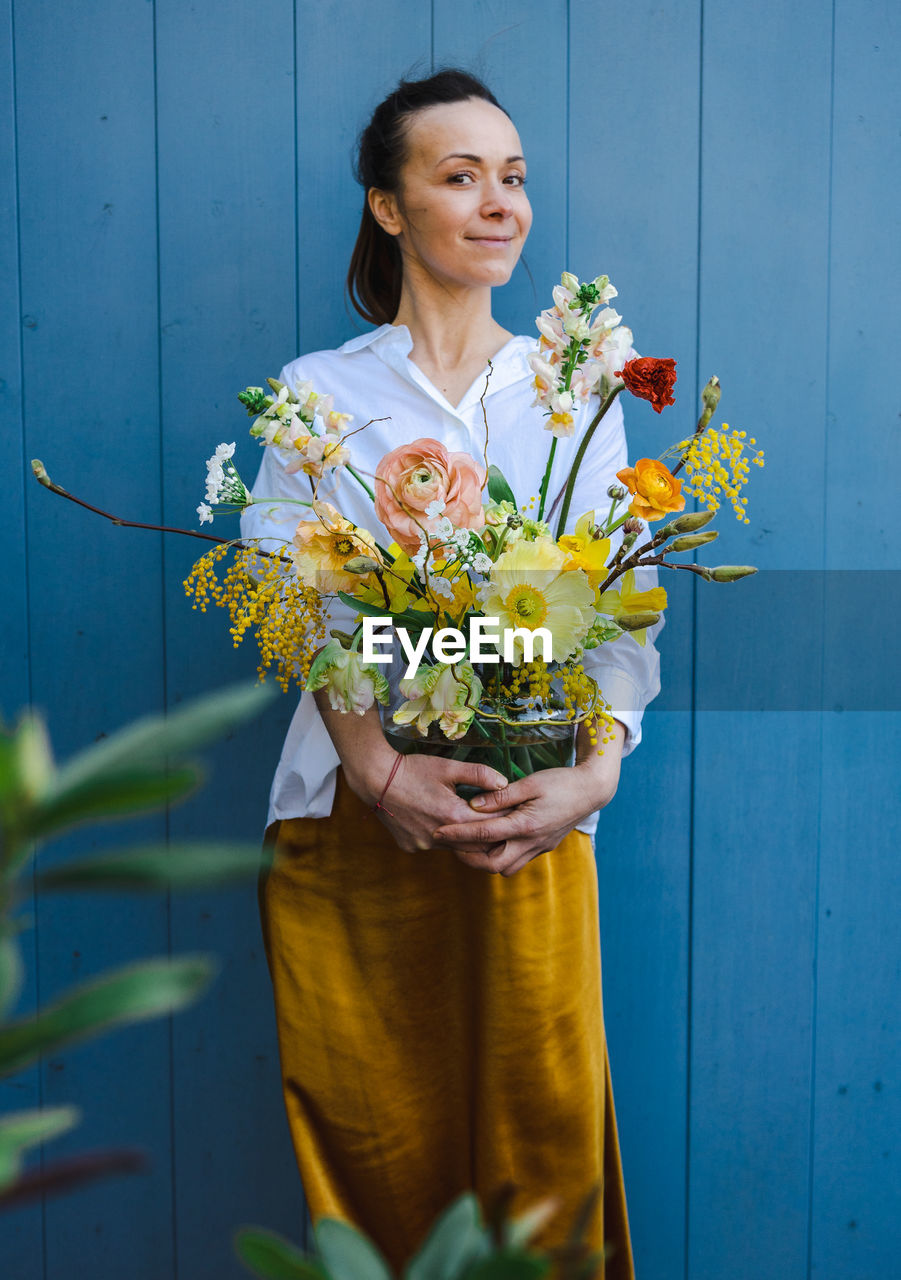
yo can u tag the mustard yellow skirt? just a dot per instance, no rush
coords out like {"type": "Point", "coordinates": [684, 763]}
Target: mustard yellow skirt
{"type": "Point", "coordinates": [440, 1029]}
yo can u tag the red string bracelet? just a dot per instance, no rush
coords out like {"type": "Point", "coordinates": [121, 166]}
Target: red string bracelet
{"type": "Point", "coordinates": [378, 803]}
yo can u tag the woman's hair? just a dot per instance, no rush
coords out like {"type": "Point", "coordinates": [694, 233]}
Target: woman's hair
{"type": "Point", "coordinates": [375, 274]}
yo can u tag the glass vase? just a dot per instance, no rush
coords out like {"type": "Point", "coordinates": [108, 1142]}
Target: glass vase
{"type": "Point", "coordinates": [512, 732]}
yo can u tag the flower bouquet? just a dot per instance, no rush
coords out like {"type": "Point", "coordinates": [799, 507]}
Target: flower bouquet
{"type": "Point", "coordinates": [486, 605]}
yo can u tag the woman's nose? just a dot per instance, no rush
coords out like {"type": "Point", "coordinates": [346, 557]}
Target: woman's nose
{"type": "Point", "coordinates": [497, 200]}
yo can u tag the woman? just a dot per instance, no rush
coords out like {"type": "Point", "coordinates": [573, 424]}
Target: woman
{"type": "Point", "coordinates": [441, 1028]}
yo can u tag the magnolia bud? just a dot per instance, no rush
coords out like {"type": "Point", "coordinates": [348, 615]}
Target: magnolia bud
{"type": "Point", "coordinates": [361, 564]}
{"type": "Point", "coordinates": [710, 398]}
{"type": "Point", "coordinates": [632, 525]}
{"type": "Point", "coordinates": [731, 572]}
{"type": "Point", "coordinates": [693, 540]}
{"type": "Point", "coordinates": [629, 541]}
{"type": "Point", "coordinates": [616, 491]}
{"type": "Point", "coordinates": [637, 621]}
{"type": "Point", "coordinates": [689, 522]}
{"type": "Point", "coordinates": [40, 471]}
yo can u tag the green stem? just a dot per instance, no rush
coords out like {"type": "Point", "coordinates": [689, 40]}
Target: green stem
{"type": "Point", "coordinates": [580, 454]}
{"type": "Point", "coordinates": [546, 478]}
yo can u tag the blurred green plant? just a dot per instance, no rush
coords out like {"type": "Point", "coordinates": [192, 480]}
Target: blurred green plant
{"type": "Point", "coordinates": [137, 770]}
{"type": "Point", "coordinates": [459, 1246]}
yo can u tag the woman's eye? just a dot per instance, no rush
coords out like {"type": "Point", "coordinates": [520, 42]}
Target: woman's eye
{"type": "Point", "coordinates": [459, 178]}
{"type": "Point", "coordinates": [518, 179]}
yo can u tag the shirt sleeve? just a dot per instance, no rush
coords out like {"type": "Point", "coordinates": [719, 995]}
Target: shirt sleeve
{"type": "Point", "coordinates": [273, 524]}
{"type": "Point", "coordinates": [627, 673]}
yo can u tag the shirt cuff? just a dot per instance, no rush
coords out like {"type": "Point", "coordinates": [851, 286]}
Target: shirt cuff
{"type": "Point", "coordinates": [626, 704]}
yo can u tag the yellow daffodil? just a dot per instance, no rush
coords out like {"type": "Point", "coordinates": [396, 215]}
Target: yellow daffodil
{"type": "Point", "coordinates": [626, 600]}
{"type": "Point", "coordinates": [585, 552]}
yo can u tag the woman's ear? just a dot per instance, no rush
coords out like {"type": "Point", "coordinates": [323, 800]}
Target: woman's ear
{"type": "Point", "coordinates": [383, 205]}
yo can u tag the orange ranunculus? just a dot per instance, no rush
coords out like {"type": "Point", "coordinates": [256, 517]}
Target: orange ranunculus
{"type": "Point", "coordinates": [656, 489]}
{"type": "Point", "coordinates": [414, 475]}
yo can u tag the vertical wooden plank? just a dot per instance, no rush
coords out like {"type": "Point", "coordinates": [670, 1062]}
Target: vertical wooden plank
{"type": "Point", "coordinates": [856, 1229]}
{"type": "Point", "coordinates": [225, 94]}
{"type": "Point", "coordinates": [388, 43]}
{"type": "Point", "coordinates": [515, 45]}
{"type": "Point", "coordinates": [21, 1234]}
{"type": "Point", "coordinates": [86, 166]}
{"type": "Point", "coordinates": [632, 136]}
{"type": "Point", "coordinates": [232, 201]}
{"type": "Point", "coordinates": [764, 219]}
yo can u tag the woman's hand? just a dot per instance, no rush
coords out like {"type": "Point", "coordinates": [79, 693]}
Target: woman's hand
{"type": "Point", "coordinates": [422, 795]}
{"type": "Point", "coordinates": [531, 816]}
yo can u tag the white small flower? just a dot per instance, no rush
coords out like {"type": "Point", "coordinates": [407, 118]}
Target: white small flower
{"type": "Point", "coordinates": [205, 513]}
{"type": "Point", "coordinates": [224, 451]}
{"type": "Point", "coordinates": [481, 563]}
{"type": "Point", "coordinates": [435, 508]}
{"type": "Point", "coordinates": [441, 587]}
{"type": "Point", "coordinates": [444, 529]}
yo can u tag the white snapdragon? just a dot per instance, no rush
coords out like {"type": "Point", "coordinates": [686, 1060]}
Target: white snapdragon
{"type": "Point", "coordinates": [205, 513]}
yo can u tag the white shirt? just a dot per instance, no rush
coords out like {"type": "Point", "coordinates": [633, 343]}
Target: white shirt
{"type": "Point", "coordinates": [371, 376]}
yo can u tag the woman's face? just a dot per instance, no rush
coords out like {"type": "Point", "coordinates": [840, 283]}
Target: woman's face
{"type": "Point", "coordinates": [461, 213]}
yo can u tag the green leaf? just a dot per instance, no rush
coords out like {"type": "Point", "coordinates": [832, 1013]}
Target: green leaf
{"type": "Point", "coordinates": [347, 1254]}
{"type": "Point", "coordinates": [11, 970]}
{"type": "Point", "coordinates": [407, 617]}
{"type": "Point", "coordinates": [20, 1130]}
{"type": "Point", "coordinates": [509, 1265]}
{"type": "Point", "coordinates": [138, 791]}
{"type": "Point", "coordinates": [273, 1257]}
{"type": "Point", "coordinates": [520, 1230]}
{"type": "Point", "coordinates": [132, 994]}
{"type": "Point", "coordinates": [154, 741]}
{"type": "Point", "coordinates": [175, 866]}
{"type": "Point", "coordinates": [454, 1241]}
{"type": "Point", "coordinates": [498, 488]}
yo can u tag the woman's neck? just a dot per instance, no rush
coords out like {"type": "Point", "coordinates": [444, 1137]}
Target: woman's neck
{"type": "Point", "coordinates": [450, 329]}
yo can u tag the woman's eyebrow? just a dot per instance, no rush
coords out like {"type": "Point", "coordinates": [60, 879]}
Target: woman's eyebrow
{"type": "Point", "coordinates": [463, 155]}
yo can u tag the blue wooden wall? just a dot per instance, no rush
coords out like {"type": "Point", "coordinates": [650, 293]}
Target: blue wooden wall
{"type": "Point", "coordinates": [178, 210]}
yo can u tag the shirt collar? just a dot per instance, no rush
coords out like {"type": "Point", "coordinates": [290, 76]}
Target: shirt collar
{"type": "Point", "coordinates": [392, 343]}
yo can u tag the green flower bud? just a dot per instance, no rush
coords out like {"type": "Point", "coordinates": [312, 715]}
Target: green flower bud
{"type": "Point", "coordinates": [636, 621]}
{"type": "Point", "coordinates": [710, 398]}
{"type": "Point", "coordinates": [617, 491]}
{"type": "Point", "coordinates": [690, 540]}
{"type": "Point", "coordinates": [731, 572]}
{"type": "Point", "coordinates": [361, 564]}
{"type": "Point", "coordinates": [689, 522]}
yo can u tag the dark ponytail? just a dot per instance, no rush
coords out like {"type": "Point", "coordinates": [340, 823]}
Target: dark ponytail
{"type": "Point", "coordinates": [375, 275]}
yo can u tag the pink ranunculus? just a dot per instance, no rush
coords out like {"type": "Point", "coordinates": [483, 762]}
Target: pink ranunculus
{"type": "Point", "coordinates": [413, 475]}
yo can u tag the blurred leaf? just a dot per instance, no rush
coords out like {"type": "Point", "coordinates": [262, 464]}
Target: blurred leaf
{"type": "Point", "coordinates": [347, 1254]}
{"type": "Point", "coordinates": [521, 1229]}
{"type": "Point", "coordinates": [61, 1175]}
{"type": "Point", "coordinates": [498, 488]}
{"type": "Point", "coordinates": [176, 866]}
{"type": "Point", "coordinates": [20, 1130]}
{"type": "Point", "coordinates": [154, 740]}
{"type": "Point", "coordinates": [271, 1256]}
{"type": "Point", "coordinates": [138, 791]}
{"type": "Point", "coordinates": [509, 1265]}
{"type": "Point", "coordinates": [455, 1239]}
{"type": "Point", "coordinates": [132, 994]}
{"type": "Point", "coordinates": [11, 970]}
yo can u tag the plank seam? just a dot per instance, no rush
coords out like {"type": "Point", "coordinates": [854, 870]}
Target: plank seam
{"type": "Point", "coordinates": [689, 976]}
{"type": "Point", "coordinates": [811, 1158]}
